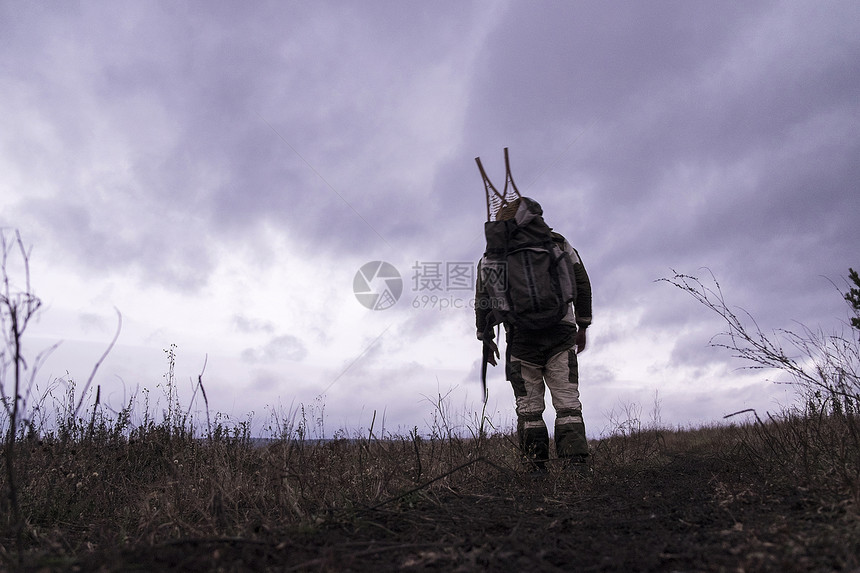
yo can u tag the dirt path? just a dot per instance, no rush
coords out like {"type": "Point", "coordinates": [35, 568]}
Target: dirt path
{"type": "Point", "coordinates": [690, 513]}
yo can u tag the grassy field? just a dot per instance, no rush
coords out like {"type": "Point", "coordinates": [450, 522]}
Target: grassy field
{"type": "Point", "coordinates": [779, 494]}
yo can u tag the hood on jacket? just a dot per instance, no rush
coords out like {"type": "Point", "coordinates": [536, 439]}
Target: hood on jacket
{"type": "Point", "coordinates": [527, 210]}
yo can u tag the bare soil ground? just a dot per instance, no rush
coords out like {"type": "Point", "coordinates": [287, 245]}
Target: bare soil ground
{"type": "Point", "coordinates": [687, 511]}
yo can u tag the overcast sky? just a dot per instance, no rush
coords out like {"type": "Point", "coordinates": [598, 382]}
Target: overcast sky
{"type": "Point", "coordinates": [219, 172]}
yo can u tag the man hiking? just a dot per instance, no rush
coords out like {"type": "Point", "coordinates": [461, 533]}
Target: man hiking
{"type": "Point", "coordinates": [533, 281]}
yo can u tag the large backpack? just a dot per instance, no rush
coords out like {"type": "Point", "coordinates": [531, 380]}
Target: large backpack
{"type": "Point", "coordinates": [525, 272]}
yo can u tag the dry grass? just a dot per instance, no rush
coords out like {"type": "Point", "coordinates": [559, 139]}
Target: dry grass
{"type": "Point", "coordinates": [116, 492]}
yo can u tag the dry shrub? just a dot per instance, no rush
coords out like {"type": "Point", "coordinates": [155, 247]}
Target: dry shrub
{"type": "Point", "coordinates": [817, 443]}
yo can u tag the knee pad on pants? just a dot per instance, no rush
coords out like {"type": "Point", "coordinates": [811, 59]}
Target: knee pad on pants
{"type": "Point", "coordinates": [514, 372]}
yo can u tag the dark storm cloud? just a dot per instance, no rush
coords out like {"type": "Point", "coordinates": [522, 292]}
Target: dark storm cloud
{"type": "Point", "coordinates": [291, 116]}
{"type": "Point", "coordinates": [577, 62]}
{"type": "Point", "coordinates": [682, 135]}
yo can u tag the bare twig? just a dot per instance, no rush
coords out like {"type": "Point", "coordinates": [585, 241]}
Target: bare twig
{"type": "Point", "coordinates": [95, 409]}
{"type": "Point", "coordinates": [437, 478]}
{"type": "Point", "coordinates": [100, 360]}
{"type": "Point", "coordinates": [205, 399]}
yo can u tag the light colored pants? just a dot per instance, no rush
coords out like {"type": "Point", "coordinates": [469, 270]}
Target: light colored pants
{"type": "Point", "coordinates": [529, 381]}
